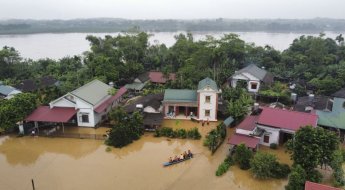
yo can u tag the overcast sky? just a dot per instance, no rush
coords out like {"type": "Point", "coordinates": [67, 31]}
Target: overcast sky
{"type": "Point", "coordinates": [175, 9]}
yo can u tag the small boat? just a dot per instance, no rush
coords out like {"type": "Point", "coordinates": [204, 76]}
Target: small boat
{"type": "Point", "coordinates": [176, 162]}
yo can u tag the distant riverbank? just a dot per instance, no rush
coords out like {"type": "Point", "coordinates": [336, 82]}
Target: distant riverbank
{"type": "Point", "coordinates": [56, 46]}
{"type": "Point", "coordinates": [109, 25]}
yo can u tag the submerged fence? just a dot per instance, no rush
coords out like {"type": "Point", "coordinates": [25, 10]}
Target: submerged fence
{"type": "Point", "coordinates": [76, 136]}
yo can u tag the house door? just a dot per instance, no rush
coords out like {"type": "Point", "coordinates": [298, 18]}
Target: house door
{"type": "Point", "coordinates": [266, 138]}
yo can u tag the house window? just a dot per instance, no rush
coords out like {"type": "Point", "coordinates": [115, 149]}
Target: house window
{"type": "Point", "coordinates": [254, 85]}
{"type": "Point", "coordinates": [266, 138]}
{"type": "Point", "coordinates": [208, 99]}
{"type": "Point", "coordinates": [207, 113]}
{"type": "Point", "coordinates": [84, 118]}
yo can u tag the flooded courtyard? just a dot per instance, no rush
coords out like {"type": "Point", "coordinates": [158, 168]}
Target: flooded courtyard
{"type": "Point", "coordinates": [66, 164]}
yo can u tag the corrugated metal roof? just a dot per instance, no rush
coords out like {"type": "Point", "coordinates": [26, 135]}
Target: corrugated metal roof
{"type": "Point", "coordinates": [253, 70]}
{"type": "Point", "coordinates": [93, 92]}
{"type": "Point", "coordinates": [286, 119]}
{"type": "Point", "coordinates": [340, 93]}
{"type": "Point", "coordinates": [207, 82]}
{"type": "Point", "coordinates": [100, 108]}
{"type": "Point", "coordinates": [331, 119]}
{"type": "Point", "coordinates": [249, 141]}
{"type": "Point", "coordinates": [6, 90]}
{"type": "Point", "coordinates": [249, 123]}
{"type": "Point", "coordinates": [180, 95]}
{"type": "Point", "coordinates": [228, 121]}
{"type": "Point", "coordinates": [316, 186]}
{"type": "Point", "coordinates": [56, 114]}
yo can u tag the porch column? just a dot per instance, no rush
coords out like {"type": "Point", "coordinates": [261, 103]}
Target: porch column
{"type": "Point", "coordinates": [63, 128]}
{"type": "Point", "coordinates": [186, 111]}
{"type": "Point", "coordinates": [36, 126]}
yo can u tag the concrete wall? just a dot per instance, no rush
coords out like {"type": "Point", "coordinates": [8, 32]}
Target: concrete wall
{"type": "Point", "coordinates": [212, 105]}
{"type": "Point", "coordinates": [243, 132]}
{"type": "Point", "coordinates": [87, 109]}
{"type": "Point", "coordinates": [273, 133]}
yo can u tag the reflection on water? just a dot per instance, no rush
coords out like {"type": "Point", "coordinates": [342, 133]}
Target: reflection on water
{"type": "Point", "coordinates": [61, 164]}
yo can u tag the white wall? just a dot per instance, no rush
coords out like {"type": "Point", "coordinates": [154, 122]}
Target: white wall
{"type": "Point", "coordinates": [243, 132]}
{"type": "Point", "coordinates": [246, 77]}
{"type": "Point", "coordinates": [212, 105]}
{"type": "Point", "coordinates": [85, 108]}
{"type": "Point", "coordinates": [150, 109]}
{"type": "Point", "coordinates": [62, 102]}
{"type": "Point", "coordinates": [273, 134]}
{"type": "Point", "coordinates": [249, 86]}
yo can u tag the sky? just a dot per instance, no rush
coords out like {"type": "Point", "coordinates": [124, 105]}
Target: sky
{"type": "Point", "coordinates": [171, 9]}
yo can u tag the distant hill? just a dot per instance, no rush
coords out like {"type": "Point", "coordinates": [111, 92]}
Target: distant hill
{"type": "Point", "coordinates": [15, 26]}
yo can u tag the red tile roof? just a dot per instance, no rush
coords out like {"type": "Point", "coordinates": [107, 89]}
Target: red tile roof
{"type": "Point", "coordinates": [316, 186]}
{"type": "Point", "coordinates": [249, 123]}
{"type": "Point", "coordinates": [100, 108]}
{"type": "Point", "coordinates": [249, 141]}
{"type": "Point", "coordinates": [158, 77]}
{"type": "Point", "coordinates": [56, 114]}
{"type": "Point", "coordinates": [286, 119]}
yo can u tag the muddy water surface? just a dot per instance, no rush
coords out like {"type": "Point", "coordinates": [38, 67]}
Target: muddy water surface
{"type": "Point", "coordinates": [66, 164]}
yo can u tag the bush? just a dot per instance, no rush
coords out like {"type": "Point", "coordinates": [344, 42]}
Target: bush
{"type": "Point", "coordinates": [243, 156]}
{"type": "Point", "coordinates": [215, 137]}
{"type": "Point", "coordinates": [178, 133]}
{"type": "Point", "coordinates": [224, 166]}
{"type": "Point", "coordinates": [265, 165]}
{"type": "Point", "coordinates": [273, 146]}
{"type": "Point", "coordinates": [281, 171]}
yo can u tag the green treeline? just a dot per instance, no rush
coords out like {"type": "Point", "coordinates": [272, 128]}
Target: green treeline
{"type": "Point", "coordinates": [169, 25]}
{"type": "Point", "coordinates": [312, 62]}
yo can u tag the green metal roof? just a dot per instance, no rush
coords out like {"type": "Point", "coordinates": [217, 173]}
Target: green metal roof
{"type": "Point", "coordinates": [93, 92]}
{"type": "Point", "coordinates": [331, 119]}
{"type": "Point", "coordinates": [207, 82]}
{"type": "Point", "coordinates": [180, 95]}
{"type": "Point", "coordinates": [135, 86]}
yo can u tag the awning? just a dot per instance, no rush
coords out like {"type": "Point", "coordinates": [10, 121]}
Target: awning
{"type": "Point", "coordinates": [102, 107]}
{"type": "Point", "coordinates": [250, 142]}
{"type": "Point", "coordinates": [228, 121]}
{"type": "Point", "coordinates": [56, 114]}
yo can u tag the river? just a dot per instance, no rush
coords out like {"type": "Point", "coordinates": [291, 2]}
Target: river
{"type": "Point", "coordinates": [56, 46]}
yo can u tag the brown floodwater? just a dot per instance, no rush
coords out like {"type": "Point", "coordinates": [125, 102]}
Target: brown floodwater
{"type": "Point", "coordinates": [73, 164]}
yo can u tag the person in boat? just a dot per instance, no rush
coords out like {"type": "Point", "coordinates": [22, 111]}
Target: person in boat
{"type": "Point", "coordinates": [185, 155]}
{"type": "Point", "coordinates": [181, 157]}
{"type": "Point", "coordinates": [170, 160]}
{"type": "Point", "coordinates": [176, 159]}
{"type": "Point", "coordinates": [190, 154]}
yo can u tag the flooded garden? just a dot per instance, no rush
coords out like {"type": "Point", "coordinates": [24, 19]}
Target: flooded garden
{"type": "Point", "coordinates": [64, 163]}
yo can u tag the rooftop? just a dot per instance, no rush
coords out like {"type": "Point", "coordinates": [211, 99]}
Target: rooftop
{"type": "Point", "coordinates": [6, 90]}
{"type": "Point", "coordinates": [180, 95]}
{"type": "Point", "coordinates": [158, 77]}
{"type": "Point", "coordinates": [340, 93]}
{"type": "Point", "coordinates": [257, 72]}
{"type": "Point", "coordinates": [135, 86]}
{"type": "Point", "coordinates": [331, 119]}
{"type": "Point", "coordinates": [207, 82]}
{"type": "Point", "coordinates": [56, 114]}
{"type": "Point", "coordinates": [318, 103]}
{"type": "Point", "coordinates": [153, 100]}
{"type": "Point", "coordinates": [100, 108]}
{"type": "Point", "coordinates": [316, 186]}
{"type": "Point", "coordinates": [93, 92]}
{"type": "Point", "coordinates": [286, 119]}
{"type": "Point", "coordinates": [249, 123]}
{"type": "Point", "coordinates": [249, 141]}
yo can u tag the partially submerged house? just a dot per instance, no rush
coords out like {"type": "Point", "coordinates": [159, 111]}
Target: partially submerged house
{"type": "Point", "coordinates": [200, 104]}
{"type": "Point", "coordinates": [334, 117]}
{"type": "Point", "coordinates": [86, 106]}
{"type": "Point", "coordinates": [272, 126]}
{"type": "Point", "coordinates": [151, 108]}
{"type": "Point", "coordinates": [253, 77]}
{"type": "Point", "coordinates": [8, 92]}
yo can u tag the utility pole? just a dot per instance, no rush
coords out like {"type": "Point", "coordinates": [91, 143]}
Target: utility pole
{"type": "Point", "coordinates": [33, 184]}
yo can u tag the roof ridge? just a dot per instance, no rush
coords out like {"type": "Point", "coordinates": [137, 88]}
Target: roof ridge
{"type": "Point", "coordinates": [314, 114]}
{"type": "Point", "coordinates": [87, 84]}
